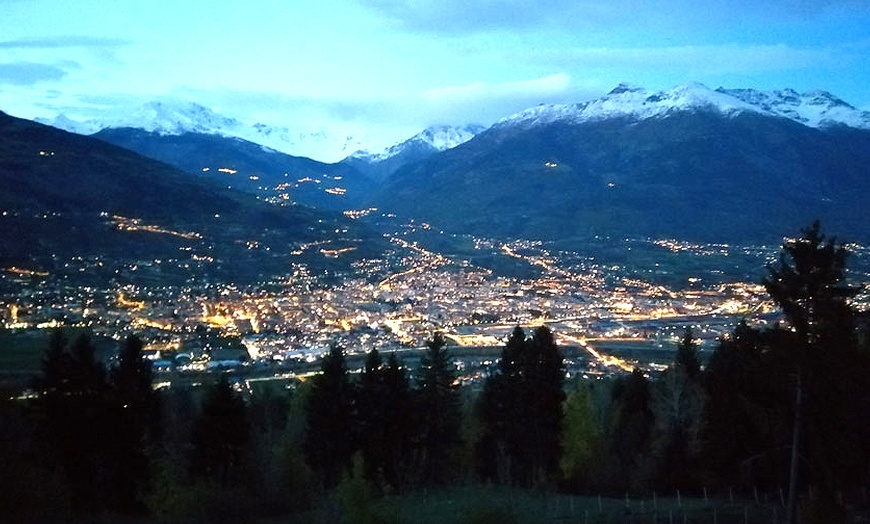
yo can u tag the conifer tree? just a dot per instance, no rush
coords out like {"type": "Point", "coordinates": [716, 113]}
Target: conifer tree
{"type": "Point", "coordinates": [328, 441]}
{"type": "Point", "coordinates": [134, 419]}
{"type": "Point", "coordinates": [438, 405]}
{"type": "Point", "coordinates": [748, 400]}
{"type": "Point", "coordinates": [544, 396]}
{"type": "Point", "coordinates": [521, 408]}
{"type": "Point", "coordinates": [807, 283]}
{"type": "Point", "coordinates": [678, 404]}
{"type": "Point", "coordinates": [372, 417]}
{"type": "Point", "coordinates": [220, 435]}
{"type": "Point", "coordinates": [401, 422]}
{"type": "Point", "coordinates": [72, 424]}
{"type": "Point", "coordinates": [633, 421]}
{"type": "Point", "coordinates": [687, 356]}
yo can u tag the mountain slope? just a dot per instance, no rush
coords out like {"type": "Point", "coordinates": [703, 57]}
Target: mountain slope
{"type": "Point", "coordinates": [237, 163]}
{"type": "Point", "coordinates": [69, 197]}
{"type": "Point", "coordinates": [689, 163]}
{"type": "Point", "coordinates": [428, 142]}
{"type": "Point", "coordinates": [175, 117]}
{"type": "Point", "coordinates": [813, 109]}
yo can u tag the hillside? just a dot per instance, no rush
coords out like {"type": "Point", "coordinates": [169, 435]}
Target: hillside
{"type": "Point", "coordinates": [691, 163]}
{"type": "Point", "coordinates": [69, 197]}
{"type": "Point", "coordinates": [249, 167]}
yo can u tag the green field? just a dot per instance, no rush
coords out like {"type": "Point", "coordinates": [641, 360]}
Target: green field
{"type": "Point", "coordinates": [21, 353]}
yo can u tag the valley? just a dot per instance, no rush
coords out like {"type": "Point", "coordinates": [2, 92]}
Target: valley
{"type": "Point", "coordinates": [618, 222]}
{"type": "Point", "coordinates": [615, 305]}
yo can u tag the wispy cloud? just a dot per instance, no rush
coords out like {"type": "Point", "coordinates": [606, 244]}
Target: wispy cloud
{"type": "Point", "coordinates": [478, 91]}
{"type": "Point", "coordinates": [61, 41]}
{"type": "Point", "coordinates": [29, 73]}
{"type": "Point", "coordinates": [713, 59]}
{"type": "Point", "coordinates": [462, 16]}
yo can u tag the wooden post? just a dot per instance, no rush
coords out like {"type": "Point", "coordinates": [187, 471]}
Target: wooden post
{"type": "Point", "coordinates": [791, 509]}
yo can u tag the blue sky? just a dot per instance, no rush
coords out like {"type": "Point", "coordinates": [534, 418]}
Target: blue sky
{"type": "Point", "coordinates": [392, 67]}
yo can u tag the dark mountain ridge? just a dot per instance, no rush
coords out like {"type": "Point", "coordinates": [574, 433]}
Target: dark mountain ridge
{"type": "Point", "coordinates": [65, 196]}
{"type": "Point", "coordinates": [688, 173]}
{"type": "Point", "coordinates": [249, 167]}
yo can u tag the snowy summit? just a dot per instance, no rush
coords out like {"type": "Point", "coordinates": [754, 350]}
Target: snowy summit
{"type": "Point", "coordinates": [431, 139]}
{"type": "Point", "coordinates": [176, 117]}
{"type": "Point", "coordinates": [814, 109]}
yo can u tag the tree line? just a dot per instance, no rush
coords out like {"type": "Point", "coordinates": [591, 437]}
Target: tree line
{"type": "Point", "coordinates": [782, 407]}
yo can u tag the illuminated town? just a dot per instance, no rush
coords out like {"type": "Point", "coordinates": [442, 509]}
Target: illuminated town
{"type": "Point", "coordinates": [604, 315]}
{"type": "Point", "coordinates": [608, 317]}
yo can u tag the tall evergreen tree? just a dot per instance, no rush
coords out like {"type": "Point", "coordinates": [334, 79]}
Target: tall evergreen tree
{"type": "Point", "coordinates": [687, 356]}
{"type": "Point", "coordinates": [748, 401]}
{"type": "Point", "coordinates": [372, 417]}
{"type": "Point", "coordinates": [500, 410]}
{"type": "Point", "coordinates": [808, 285]}
{"type": "Point", "coordinates": [328, 441]}
{"type": "Point", "coordinates": [72, 424]}
{"type": "Point", "coordinates": [632, 425]}
{"type": "Point", "coordinates": [400, 423]}
{"type": "Point", "coordinates": [544, 396]}
{"type": "Point", "coordinates": [521, 407]}
{"type": "Point", "coordinates": [220, 435]}
{"type": "Point", "coordinates": [438, 404]}
{"type": "Point", "coordinates": [678, 405]}
{"type": "Point", "coordinates": [385, 420]}
{"type": "Point", "coordinates": [133, 415]}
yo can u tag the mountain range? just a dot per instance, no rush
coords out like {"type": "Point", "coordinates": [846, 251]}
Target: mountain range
{"type": "Point", "coordinates": [688, 162]}
{"type": "Point", "coordinates": [428, 142]}
{"type": "Point", "coordinates": [691, 162]}
{"type": "Point", "coordinates": [175, 117]}
{"type": "Point", "coordinates": [67, 197]}
{"type": "Point", "coordinates": [252, 168]}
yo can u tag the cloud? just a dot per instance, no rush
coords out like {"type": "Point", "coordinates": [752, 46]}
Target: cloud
{"type": "Point", "coordinates": [397, 115]}
{"type": "Point", "coordinates": [462, 16]}
{"type": "Point", "coordinates": [546, 86]}
{"type": "Point", "coordinates": [715, 59]}
{"type": "Point", "coordinates": [61, 42]}
{"type": "Point", "coordinates": [29, 73]}
{"type": "Point", "coordinates": [504, 93]}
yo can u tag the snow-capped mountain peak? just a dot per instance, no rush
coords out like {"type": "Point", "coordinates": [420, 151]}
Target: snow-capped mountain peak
{"type": "Point", "coordinates": [432, 139]}
{"type": "Point", "coordinates": [174, 117]}
{"type": "Point", "coordinates": [630, 101]}
{"type": "Point", "coordinates": [177, 117]}
{"type": "Point", "coordinates": [814, 108]}
{"type": "Point", "coordinates": [165, 117]}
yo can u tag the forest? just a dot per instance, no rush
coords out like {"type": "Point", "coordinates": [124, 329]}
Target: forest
{"type": "Point", "coordinates": [779, 410]}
